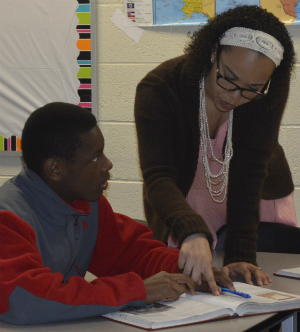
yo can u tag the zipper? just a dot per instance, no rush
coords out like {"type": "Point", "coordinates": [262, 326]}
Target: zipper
{"type": "Point", "coordinates": [76, 229]}
{"type": "Point", "coordinates": [77, 238]}
{"type": "Point", "coordinates": [76, 223]}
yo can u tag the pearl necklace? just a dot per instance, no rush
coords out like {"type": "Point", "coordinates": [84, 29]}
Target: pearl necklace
{"type": "Point", "coordinates": [212, 179]}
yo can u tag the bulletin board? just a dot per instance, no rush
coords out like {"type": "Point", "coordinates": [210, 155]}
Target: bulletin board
{"type": "Point", "coordinates": [47, 54]}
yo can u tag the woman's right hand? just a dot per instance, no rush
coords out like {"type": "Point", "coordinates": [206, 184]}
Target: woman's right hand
{"type": "Point", "coordinates": [195, 260]}
{"type": "Point", "coordinates": [221, 278]}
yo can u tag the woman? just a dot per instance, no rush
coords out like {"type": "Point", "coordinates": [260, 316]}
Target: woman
{"type": "Point", "coordinates": [207, 125]}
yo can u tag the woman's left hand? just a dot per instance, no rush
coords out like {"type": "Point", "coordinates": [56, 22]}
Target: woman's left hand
{"type": "Point", "coordinates": [247, 270]}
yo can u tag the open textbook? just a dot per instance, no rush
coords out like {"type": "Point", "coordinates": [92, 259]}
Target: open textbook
{"type": "Point", "coordinates": [291, 273]}
{"type": "Point", "coordinates": [189, 309]}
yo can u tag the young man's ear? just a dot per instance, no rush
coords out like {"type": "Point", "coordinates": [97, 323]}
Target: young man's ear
{"type": "Point", "coordinates": [52, 169]}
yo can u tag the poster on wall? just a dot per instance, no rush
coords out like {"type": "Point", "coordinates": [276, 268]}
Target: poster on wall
{"type": "Point", "coordinates": [194, 12]}
{"type": "Point", "coordinates": [45, 56]}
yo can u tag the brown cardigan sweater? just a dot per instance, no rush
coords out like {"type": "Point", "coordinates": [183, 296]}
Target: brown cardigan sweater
{"type": "Point", "coordinates": [166, 115]}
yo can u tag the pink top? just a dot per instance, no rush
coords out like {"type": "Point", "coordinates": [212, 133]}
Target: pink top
{"type": "Point", "coordinates": [279, 210]}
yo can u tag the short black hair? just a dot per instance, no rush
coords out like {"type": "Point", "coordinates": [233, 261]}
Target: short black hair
{"type": "Point", "coordinates": [53, 131]}
{"type": "Point", "coordinates": [204, 40]}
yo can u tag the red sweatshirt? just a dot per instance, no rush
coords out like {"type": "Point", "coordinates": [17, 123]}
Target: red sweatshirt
{"type": "Point", "coordinates": [46, 247]}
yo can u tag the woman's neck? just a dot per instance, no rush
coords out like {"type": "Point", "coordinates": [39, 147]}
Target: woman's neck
{"type": "Point", "coordinates": [215, 117]}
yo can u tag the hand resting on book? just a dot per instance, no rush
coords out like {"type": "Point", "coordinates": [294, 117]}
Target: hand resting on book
{"type": "Point", "coordinates": [167, 287]}
{"type": "Point", "coordinates": [247, 270]}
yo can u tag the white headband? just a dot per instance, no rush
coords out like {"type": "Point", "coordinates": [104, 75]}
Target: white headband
{"type": "Point", "coordinates": [255, 40]}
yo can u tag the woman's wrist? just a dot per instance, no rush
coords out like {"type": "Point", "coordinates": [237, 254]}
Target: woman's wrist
{"type": "Point", "coordinates": [196, 235]}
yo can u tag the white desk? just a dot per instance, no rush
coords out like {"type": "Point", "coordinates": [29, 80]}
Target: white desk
{"type": "Point", "coordinates": [268, 261]}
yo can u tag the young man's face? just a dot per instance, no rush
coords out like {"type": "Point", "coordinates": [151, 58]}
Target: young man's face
{"type": "Point", "coordinates": [86, 177]}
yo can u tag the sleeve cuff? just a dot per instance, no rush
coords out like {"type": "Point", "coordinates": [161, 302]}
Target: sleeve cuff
{"type": "Point", "coordinates": [185, 227]}
{"type": "Point", "coordinates": [240, 250]}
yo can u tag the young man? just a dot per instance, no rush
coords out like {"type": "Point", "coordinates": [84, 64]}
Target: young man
{"type": "Point", "coordinates": [55, 225]}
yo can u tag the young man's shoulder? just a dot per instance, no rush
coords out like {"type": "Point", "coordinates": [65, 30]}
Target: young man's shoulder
{"type": "Point", "coordinates": [14, 199]}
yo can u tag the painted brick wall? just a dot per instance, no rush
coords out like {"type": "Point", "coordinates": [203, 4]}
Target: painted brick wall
{"type": "Point", "coordinates": [122, 63]}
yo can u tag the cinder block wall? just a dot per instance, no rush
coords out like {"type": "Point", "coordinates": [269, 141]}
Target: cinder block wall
{"type": "Point", "coordinates": [122, 63]}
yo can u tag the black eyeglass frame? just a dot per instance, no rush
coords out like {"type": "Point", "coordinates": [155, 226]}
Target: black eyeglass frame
{"type": "Point", "coordinates": [259, 95]}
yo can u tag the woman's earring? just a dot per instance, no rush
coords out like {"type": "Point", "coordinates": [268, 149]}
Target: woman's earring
{"type": "Point", "coordinates": [211, 60]}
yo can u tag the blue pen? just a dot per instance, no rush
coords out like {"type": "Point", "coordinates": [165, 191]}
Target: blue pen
{"type": "Point", "coordinates": [247, 296]}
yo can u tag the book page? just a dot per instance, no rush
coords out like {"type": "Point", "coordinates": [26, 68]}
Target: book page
{"type": "Point", "coordinates": [265, 295]}
{"type": "Point", "coordinates": [225, 299]}
{"type": "Point", "coordinates": [163, 314]}
{"type": "Point", "coordinates": [262, 299]}
{"type": "Point", "coordinates": [205, 306]}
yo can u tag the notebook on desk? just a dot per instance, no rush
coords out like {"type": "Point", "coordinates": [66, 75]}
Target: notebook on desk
{"type": "Point", "coordinates": [289, 273]}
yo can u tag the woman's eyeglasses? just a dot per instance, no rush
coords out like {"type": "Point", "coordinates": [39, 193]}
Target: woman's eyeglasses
{"type": "Point", "coordinates": [249, 94]}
